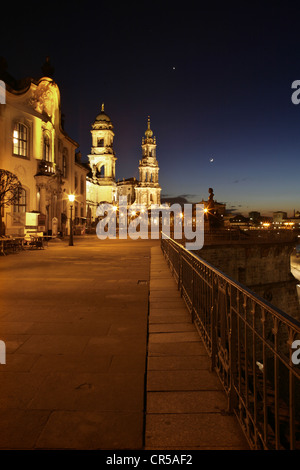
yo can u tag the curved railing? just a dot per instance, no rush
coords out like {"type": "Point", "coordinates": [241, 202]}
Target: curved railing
{"type": "Point", "coordinates": [251, 345]}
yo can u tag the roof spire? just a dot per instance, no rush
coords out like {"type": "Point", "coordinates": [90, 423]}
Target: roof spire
{"type": "Point", "coordinates": [102, 108]}
{"type": "Point", "coordinates": [148, 132]}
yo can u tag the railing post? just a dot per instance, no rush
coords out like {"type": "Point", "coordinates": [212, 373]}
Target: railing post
{"type": "Point", "coordinates": [193, 291]}
{"type": "Point", "coordinates": [232, 397]}
{"type": "Point", "coordinates": [180, 272]}
{"type": "Point", "coordinates": [213, 335]}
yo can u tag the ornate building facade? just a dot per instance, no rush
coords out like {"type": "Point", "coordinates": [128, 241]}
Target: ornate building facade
{"type": "Point", "coordinates": [101, 182]}
{"type": "Point", "coordinates": [147, 191]}
{"type": "Point", "coordinates": [35, 147]}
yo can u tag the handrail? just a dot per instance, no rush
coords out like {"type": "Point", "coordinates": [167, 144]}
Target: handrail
{"type": "Point", "coordinates": [235, 283]}
{"type": "Point", "coordinates": [249, 342]}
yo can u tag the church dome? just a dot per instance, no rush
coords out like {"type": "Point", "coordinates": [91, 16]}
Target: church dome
{"type": "Point", "coordinates": [103, 117]}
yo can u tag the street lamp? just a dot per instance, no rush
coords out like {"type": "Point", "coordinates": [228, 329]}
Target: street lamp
{"type": "Point", "coordinates": [71, 199]}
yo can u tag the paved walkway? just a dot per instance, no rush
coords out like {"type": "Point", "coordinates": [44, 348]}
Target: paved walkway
{"type": "Point", "coordinates": [75, 323]}
{"type": "Point", "coordinates": [185, 401]}
{"type": "Point", "coordinates": [74, 320]}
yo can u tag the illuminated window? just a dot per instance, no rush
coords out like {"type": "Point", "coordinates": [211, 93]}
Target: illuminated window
{"type": "Point", "coordinates": [20, 140]}
{"type": "Point", "coordinates": [20, 204]}
{"type": "Point", "coordinates": [46, 149]}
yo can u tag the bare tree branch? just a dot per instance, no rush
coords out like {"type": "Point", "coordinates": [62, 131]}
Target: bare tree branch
{"type": "Point", "coordinates": [9, 188]}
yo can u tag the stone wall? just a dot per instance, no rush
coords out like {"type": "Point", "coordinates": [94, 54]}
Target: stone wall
{"type": "Point", "coordinates": [264, 268]}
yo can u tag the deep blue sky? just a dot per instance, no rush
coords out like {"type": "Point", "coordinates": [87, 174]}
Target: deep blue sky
{"type": "Point", "coordinates": [228, 98]}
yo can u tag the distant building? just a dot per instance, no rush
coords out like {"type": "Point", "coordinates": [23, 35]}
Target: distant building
{"type": "Point", "coordinates": [279, 216]}
{"type": "Point", "coordinates": [35, 147]}
{"type": "Point", "coordinates": [147, 191]}
{"type": "Point", "coordinates": [254, 217]}
{"type": "Point", "coordinates": [126, 188]}
{"type": "Point", "coordinates": [101, 181]}
{"type": "Point", "coordinates": [239, 221]}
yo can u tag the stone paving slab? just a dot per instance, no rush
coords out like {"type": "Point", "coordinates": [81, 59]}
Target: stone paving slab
{"type": "Point", "coordinates": [185, 401]}
{"type": "Point", "coordinates": [194, 430]}
{"type": "Point", "coordinates": [177, 363]}
{"type": "Point", "coordinates": [91, 430]}
{"type": "Point", "coordinates": [191, 401]}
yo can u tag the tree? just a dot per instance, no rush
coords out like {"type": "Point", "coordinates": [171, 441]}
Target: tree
{"type": "Point", "coordinates": [9, 192]}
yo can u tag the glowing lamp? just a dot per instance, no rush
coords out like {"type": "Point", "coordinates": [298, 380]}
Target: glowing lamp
{"type": "Point", "coordinates": [71, 197]}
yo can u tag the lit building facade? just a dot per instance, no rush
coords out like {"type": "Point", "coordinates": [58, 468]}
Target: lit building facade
{"type": "Point", "coordinates": [126, 188]}
{"type": "Point", "coordinates": [101, 180]}
{"type": "Point", "coordinates": [35, 147]}
{"type": "Point", "coordinates": [101, 186]}
{"type": "Point", "coordinates": [148, 191]}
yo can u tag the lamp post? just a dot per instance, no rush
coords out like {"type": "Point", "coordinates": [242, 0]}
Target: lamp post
{"type": "Point", "coordinates": [71, 199]}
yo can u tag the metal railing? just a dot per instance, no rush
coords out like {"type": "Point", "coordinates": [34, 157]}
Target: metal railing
{"type": "Point", "coordinates": [249, 342]}
{"type": "Point", "coordinates": [46, 168]}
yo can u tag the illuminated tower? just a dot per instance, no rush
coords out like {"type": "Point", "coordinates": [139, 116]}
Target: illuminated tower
{"type": "Point", "coordinates": [102, 159]}
{"type": "Point", "coordinates": [148, 190]}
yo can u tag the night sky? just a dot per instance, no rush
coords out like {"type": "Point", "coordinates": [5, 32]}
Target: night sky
{"type": "Point", "coordinates": [216, 82]}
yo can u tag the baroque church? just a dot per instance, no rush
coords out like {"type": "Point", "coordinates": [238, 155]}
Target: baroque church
{"type": "Point", "coordinates": [35, 147]}
{"type": "Point", "coordinates": [101, 185]}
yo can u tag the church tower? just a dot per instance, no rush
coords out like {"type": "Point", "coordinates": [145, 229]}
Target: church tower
{"type": "Point", "coordinates": [148, 190]}
{"type": "Point", "coordinates": [102, 159]}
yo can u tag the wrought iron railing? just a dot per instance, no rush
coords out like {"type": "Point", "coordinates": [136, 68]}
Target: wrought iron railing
{"type": "Point", "coordinates": [250, 343]}
{"type": "Point", "coordinates": [46, 168]}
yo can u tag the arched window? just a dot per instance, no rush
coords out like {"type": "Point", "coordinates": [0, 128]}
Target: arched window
{"type": "Point", "coordinates": [65, 163]}
{"type": "Point", "coordinates": [64, 169]}
{"type": "Point", "coordinates": [46, 148]}
{"type": "Point", "coordinates": [20, 204]}
{"type": "Point", "coordinates": [20, 140]}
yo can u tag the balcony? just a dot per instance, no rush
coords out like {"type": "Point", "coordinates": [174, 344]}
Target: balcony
{"type": "Point", "coordinates": [46, 168]}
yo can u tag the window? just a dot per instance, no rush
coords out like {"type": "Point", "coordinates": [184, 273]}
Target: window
{"type": "Point", "coordinates": [64, 169]}
{"type": "Point", "coordinates": [76, 181]}
{"type": "Point", "coordinates": [100, 142]}
{"type": "Point", "coordinates": [20, 140]}
{"type": "Point", "coordinates": [81, 185]}
{"type": "Point", "coordinates": [20, 204]}
{"type": "Point", "coordinates": [46, 149]}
